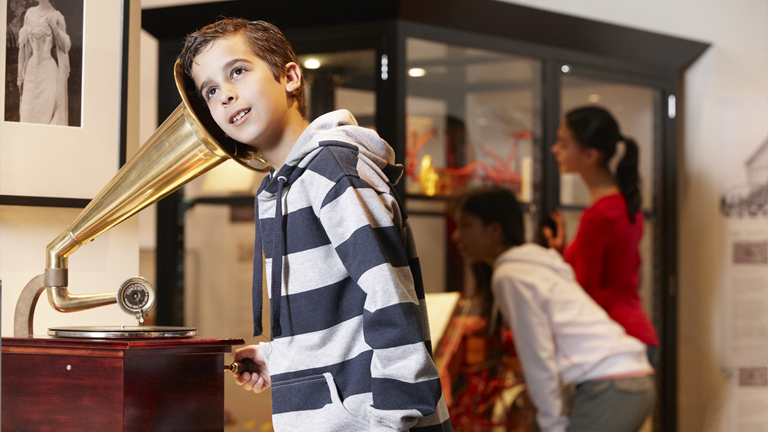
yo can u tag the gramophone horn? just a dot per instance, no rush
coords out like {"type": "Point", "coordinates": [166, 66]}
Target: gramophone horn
{"type": "Point", "coordinates": [186, 145]}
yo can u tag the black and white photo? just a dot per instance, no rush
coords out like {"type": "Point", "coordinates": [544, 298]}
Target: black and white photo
{"type": "Point", "coordinates": [65, 100]}
{"type": "Point", "coordinates": [43, 62]}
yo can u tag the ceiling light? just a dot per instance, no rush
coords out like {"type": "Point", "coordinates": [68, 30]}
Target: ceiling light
{"type": "Point", "coordinates": [417, 72]}
{"type": "Point", "coordinates": [312, 64]}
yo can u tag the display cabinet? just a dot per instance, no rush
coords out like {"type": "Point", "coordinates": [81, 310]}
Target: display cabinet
{"type": "Point", "coordinates": [468, 92]}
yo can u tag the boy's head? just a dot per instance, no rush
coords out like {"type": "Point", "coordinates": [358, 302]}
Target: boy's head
{"type": "Point", "coordinates": [489, 221]}
{"type": "Point", "coordinates": [265, 41]}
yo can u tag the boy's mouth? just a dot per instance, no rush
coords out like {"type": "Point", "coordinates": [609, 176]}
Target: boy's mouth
{"type": "Point", "coordinates": [239, 115]}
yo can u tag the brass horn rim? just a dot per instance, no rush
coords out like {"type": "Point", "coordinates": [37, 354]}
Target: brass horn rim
{"type": "Point", "coordinates": [245, 155]}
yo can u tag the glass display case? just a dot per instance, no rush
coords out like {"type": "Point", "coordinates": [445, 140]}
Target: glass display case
{"type": "Point", "coordinates": [471, 119]}
{"type": "Point", "coordinates": [343, 79]}
{"type": "Point", "coordinates": [468, 93]}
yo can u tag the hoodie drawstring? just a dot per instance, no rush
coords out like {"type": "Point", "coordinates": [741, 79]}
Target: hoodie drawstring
{"type": "Point", "coordinates": [258, 271]}
{"type": "Point", "coordinates": [277, 260]}
{"type": "Point", "coordinates": [277, 265]}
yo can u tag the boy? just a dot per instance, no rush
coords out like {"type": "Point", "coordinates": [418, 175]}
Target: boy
{"type": "Point", "coordinates": [350, 348]}
{"type": "Point", "coordinates": [561, 335]}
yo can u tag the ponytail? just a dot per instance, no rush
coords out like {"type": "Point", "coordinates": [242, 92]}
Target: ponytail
{"type": "Point", "coordinates": [628, 178]}
{"type": "Point", "coordinates": [594, 127]}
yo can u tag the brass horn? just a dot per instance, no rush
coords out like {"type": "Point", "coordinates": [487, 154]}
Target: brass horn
{"type": "Point", "coordinates": [185, 146]}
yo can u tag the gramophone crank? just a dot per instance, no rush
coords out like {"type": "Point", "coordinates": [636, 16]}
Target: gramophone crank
{"type": "Point", "coordinates": [244, 365]}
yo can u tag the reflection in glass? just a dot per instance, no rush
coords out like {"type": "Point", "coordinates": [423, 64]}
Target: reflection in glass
{"type": "Point", "coordinates": [341, 80]}
{"type": "Point", "coordinates": [470, 119]}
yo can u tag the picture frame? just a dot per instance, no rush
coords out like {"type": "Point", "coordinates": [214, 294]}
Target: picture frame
{"type": "Point", "coordinates": [64, 165]}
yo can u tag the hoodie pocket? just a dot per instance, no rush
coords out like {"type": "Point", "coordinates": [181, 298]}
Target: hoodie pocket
{"type": "Point", "coordinates": [312, 404]}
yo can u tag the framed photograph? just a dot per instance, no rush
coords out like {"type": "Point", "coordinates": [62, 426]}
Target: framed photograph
{"type": "Point", "coordinates": [63, 109]}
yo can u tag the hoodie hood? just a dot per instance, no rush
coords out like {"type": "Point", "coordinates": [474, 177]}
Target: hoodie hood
{"type": "Point", "coordinates": [341, 129]}
{"type": "Point", "coordinates": [337, 128]}
{"type": "Point", "coordinates": [532, 253]}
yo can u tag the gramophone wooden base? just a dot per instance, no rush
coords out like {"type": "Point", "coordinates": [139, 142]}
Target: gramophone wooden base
{"type": "Point", "coordinates": [62, 385]}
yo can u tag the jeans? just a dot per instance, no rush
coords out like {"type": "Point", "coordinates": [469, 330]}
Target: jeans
{"type": "Point", "coordinates": [613, 405]}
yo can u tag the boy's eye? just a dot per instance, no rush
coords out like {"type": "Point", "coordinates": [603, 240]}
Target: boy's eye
{"type": "Point", "coordinates": [210, 92]}
{"type": "Point", "coordinates": [237, 71]}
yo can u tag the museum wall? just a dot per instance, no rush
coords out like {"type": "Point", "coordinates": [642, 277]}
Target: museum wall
{"type": "Point", "coordinates": [100, 266]}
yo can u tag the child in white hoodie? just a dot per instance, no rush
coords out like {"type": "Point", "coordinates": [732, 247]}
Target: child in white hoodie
{"type": "Point", "coordinates": [561, 335]}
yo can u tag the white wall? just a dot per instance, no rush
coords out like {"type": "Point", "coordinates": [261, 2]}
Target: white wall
{"type": "Point", "coordinates": [736, 65]}
{"type": "Point", "coordinates": [98, 267]}
{"type": "Point", "coordinates": [101, 266]}
{"type": "Point", "coordinates": [147, 125]}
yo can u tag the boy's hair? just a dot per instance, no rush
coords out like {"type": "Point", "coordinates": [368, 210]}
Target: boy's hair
{"type": "Point", "coordinates": [496, 204]}
{"type": "Point", "coordinates": [264, 39]}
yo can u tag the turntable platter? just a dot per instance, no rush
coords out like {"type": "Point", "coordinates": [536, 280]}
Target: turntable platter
{"type": "Point", "coordinates": [122, 332]}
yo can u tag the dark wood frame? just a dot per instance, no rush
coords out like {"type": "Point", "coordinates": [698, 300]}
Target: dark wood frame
{"type": "Point", "coordinates": [605, 50]}
{"type": "Point", "coordinates": [41, 201]}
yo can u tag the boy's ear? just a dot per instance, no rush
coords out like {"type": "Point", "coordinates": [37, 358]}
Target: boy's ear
{"type": "Point", "coordinates": [292, 77]}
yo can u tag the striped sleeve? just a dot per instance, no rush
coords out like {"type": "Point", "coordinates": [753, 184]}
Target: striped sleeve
{"type": "Point", "coordinates": [365, 225]}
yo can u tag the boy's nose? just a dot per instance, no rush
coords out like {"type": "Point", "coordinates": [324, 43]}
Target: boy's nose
{"type": "Point", "coordinates": [227, 95]}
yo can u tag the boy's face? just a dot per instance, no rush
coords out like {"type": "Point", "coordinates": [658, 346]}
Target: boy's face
{"type": "Point", "coordinates": [475, 239]}
{"type": "Point", "coordinates": [243, 96]}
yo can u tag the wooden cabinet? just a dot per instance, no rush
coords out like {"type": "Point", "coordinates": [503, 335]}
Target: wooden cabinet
{"type": "Point", "coordinates": [62, 385]}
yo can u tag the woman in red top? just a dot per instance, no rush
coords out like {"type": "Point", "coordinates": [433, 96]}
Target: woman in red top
{"type": "Point", "coordinates": [605, 254]}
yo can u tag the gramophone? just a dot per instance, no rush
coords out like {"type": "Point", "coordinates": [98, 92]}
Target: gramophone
{"type": "Point", "coordinates": [123, 378]}
{"type": "Point", "coordinates": [186, 145]}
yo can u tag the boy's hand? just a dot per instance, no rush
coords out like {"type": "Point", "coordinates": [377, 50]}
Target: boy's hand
{"type": "Point", "coordinates": [556, 240]}
{"type": "Point", "coordinates": [259, 380]}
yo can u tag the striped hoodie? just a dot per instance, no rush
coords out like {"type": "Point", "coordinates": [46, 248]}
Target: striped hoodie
{"type": "Point", "coordinates": [350, 348]}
